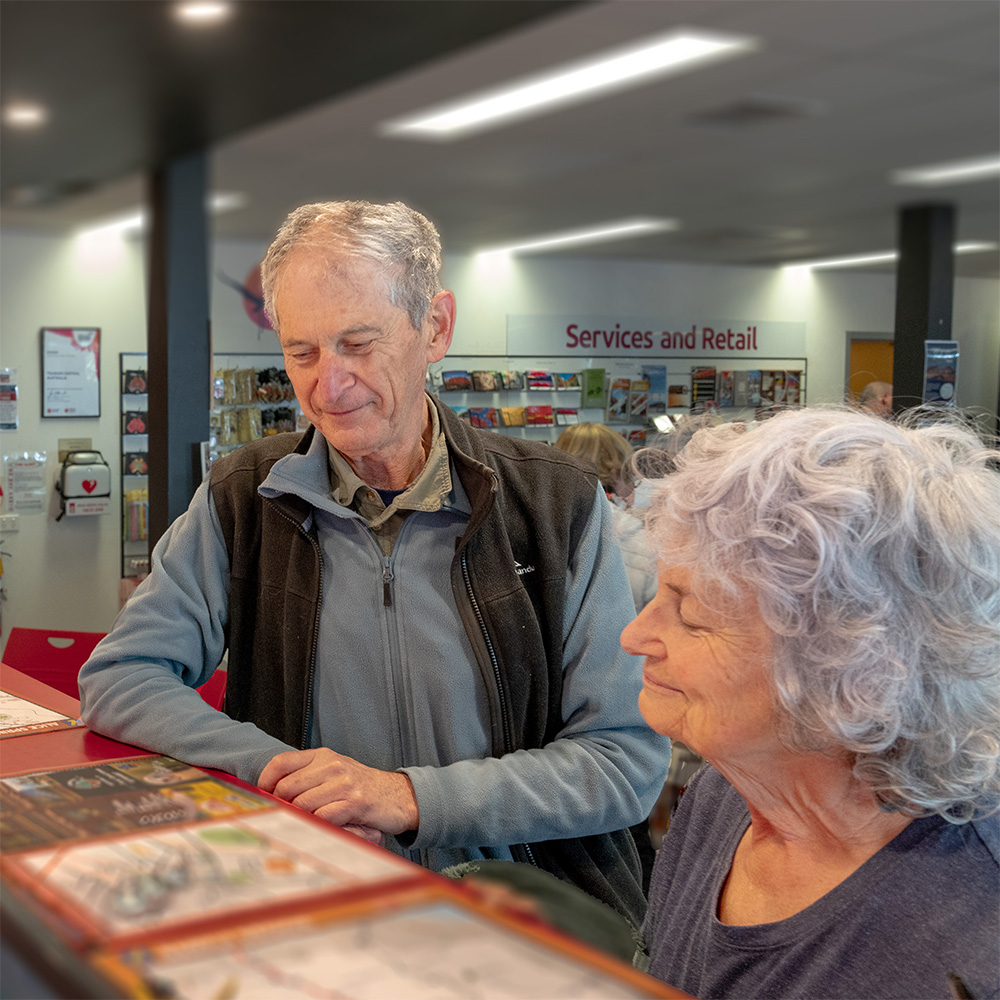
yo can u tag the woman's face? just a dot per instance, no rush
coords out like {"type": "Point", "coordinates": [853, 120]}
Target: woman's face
{"type": "Point", "coordinates": [706, 675]}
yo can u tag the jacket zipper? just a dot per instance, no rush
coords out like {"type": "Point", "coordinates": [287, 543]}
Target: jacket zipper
{"type": "Point", "coordinates": [504, 720]}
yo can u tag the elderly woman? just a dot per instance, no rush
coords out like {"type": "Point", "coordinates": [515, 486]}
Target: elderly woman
{"type": "Point", "coordinates": [826, 634]}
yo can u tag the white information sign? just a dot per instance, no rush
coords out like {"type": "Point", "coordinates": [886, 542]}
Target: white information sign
{"type": "Point", "coordinates": [71, 374]}
{"type": "Point", "coordinates": [25, 475]}
{"type": "Point", "coordinates": [580, 335]}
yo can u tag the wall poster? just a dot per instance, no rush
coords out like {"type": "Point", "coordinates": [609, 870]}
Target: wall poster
{"type": "Point", "coordinates": [71, 372]}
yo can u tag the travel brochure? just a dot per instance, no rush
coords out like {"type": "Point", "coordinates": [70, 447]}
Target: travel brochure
{"type": "Point", "coordinates": [170, 881]}
{"type": "Point", "coordinates": [20, 717]}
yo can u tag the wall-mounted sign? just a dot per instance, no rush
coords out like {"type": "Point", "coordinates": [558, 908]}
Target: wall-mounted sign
{"type": "Point", "coordinates": [940, 372]}
{"type": "Point", "coordinates": [71, 372]}
{"type": "Point", "coordinates": [579, 335]}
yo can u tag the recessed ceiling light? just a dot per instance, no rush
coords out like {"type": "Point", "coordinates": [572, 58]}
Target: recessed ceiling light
{"type": "Point", "coordinates": [882, 256]}
{"type": "Point", "coordinates": [953, 172]}
{"type": "Point", "coordinates": [217, 203]}
{"type": "Point", "coordinates": [203, 12]}
{"type": "Point", "coordinates": [592, 234]}
{"type": "Point", "coordinates": [24, 115]}
{"type": "Point", "coordinates": [613, 70]}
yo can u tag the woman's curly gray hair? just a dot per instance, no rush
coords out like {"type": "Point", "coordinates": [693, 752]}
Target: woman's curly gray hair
{"type": "Point", "coordinates": [873, 549]}
{"type": "Point", "coordinates": [403, 243]}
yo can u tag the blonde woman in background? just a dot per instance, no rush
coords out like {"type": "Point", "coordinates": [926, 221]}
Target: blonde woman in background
{"type": "Point", "coordinates": [611, 455]}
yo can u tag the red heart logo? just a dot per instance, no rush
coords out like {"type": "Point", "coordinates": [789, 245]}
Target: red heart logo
{"type": "Point", "coordinates": [89, 485]}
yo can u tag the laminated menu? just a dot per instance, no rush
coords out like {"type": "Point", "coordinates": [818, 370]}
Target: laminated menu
{"type": "Point", "coordinates": [164, 880]}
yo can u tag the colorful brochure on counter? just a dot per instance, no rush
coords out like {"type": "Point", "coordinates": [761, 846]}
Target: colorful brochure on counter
{"type": "Point", "coordinates": [20, 717]}
{"type": "Point", "coordinates": [167, 881]}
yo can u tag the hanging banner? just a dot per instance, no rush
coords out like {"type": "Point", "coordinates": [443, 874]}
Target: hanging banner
{"type": "Point", "coordinates": [578, 335]}
{"type": "Point", "coordinates": [71, 372]}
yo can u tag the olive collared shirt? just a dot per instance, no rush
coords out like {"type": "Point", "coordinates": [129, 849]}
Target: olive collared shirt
{"type": "Point", "coordinates": [427, 492]}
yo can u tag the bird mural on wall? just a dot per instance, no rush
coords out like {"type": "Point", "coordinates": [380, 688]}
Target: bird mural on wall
{"type": "Point", "coordinates": [253, 295]}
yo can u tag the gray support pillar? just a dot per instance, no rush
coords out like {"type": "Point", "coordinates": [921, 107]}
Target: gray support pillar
{"type": "Point", "coordinates": [179, 345]}
{"type": "Point", "coordinates": [925, 279]}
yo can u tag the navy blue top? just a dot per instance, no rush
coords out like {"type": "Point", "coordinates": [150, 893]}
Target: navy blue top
{"type": "Point", "coordinates": [926, 905]}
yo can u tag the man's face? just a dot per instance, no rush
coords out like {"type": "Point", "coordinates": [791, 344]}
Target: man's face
{"type": "Point", "coordinates": [355, 361]}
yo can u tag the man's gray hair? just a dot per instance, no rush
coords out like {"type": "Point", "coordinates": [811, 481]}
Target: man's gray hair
{"type": "Point", "coordinates": [873, 550]}
{"type": "Point", "coordinates": [400, 241]}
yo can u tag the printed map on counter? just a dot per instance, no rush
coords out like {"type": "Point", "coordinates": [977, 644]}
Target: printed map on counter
{"type": "Point", "coordinates": [434, 950]}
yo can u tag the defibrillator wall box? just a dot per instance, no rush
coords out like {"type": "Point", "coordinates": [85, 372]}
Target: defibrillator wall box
{"type": "Point", "coordinates": [84, 474]}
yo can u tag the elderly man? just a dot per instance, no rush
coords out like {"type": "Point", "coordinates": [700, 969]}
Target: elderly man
{"type": "Point", "coordinates": [421, 618]}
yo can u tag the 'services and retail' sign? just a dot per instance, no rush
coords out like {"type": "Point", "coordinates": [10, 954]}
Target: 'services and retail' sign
{"type": "Point", "coordinates": [604, 336]}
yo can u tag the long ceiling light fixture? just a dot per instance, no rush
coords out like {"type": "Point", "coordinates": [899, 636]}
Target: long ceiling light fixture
{"type": "Point", "coordinates": [881, 257]}
{"type": "Point", "coordinates": [591, 234]}
{"type": "Point", "coordinates": [953, 172]}
{"type": "Point", "coordinates": [613, 70]}
{"type": "Point", "coordinates": [222, 201]}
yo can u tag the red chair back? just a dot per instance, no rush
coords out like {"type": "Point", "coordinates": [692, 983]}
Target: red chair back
{"type": "Point", "coordinates": [50, 656]}
{"type": "Point", "coordinates": [55, 658]}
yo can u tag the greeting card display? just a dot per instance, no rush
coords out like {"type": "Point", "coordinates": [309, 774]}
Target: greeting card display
{"type": "Point", "coordinates": [617, 408]}
{"type": "Point", "coordinates": [539, 415]}
{"type": "Point", "coordinates": [702, 387]}
{"type": "Point", "coordinates": [592, 387]}
{"type": "Point", "coordinates": [455, 381]}
{"type": "Point", "coordinates": [638, 401]}
{"type": "Point", "coordinates": [135, 422]}
{"type": "Point", "coordinates": [540, 380]}
{"type": "Point", "coordinates": [484, 381]}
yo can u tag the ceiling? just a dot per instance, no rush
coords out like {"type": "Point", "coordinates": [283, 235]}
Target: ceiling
{"type": "Point", "coordinates": [780, 155]}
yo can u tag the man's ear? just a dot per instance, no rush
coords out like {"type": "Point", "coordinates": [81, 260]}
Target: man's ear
{"type": "Point", "coordinates": [441, 320]}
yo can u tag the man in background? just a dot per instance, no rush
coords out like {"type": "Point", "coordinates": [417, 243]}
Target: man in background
{"type": "Point", "coordinates": [876, 397]}
{"type": "Point", "coordinates": [421, 619]}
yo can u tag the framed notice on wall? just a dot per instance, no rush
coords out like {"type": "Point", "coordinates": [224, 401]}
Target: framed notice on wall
{"type": "Point", "coordinates": [71, 371]}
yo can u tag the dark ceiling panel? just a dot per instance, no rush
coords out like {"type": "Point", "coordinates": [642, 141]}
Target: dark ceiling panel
{"type": "Point", "coordinates": [128, 86]}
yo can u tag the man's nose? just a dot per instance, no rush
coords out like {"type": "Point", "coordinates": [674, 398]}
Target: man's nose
{"type": "Point", "coordinates": [335, 374]}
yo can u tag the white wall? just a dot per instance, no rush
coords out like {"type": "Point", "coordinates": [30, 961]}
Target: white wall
{"type": "Point", "coordinates": [66, 575]}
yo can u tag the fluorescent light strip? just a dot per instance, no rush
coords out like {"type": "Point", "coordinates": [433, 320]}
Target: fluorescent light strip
{"type": "Point", "coordinates": [574, 82]}
{"type": "Point", "coordinates": [25, 115]}
{"type": "Point", "coordinates": [593, 234]}
{"type": "Point", "coordinates": [954, 172]}
{"type": "Point", "coordinates": [219, 202]}
{"type": "Point", "coordinates": [882, 256]}
{"type": "Point", "coordinates": [203, 13]}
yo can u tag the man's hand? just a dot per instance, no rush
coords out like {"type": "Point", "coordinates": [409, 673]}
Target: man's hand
{"type": "Point", "coordinates": [342, 791]}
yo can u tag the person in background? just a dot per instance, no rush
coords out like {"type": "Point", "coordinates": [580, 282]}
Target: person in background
{"type": "Point", "coordinates": [611, 454]}
{"type": "Point", "coordinates": [420, 617]}
{"type": "Point", "coordinates": [826, 634]}
{"type": "Point", "coordinates": [876, 397]}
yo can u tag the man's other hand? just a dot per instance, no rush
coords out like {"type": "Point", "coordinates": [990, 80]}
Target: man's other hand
{"type": "Point", "coordinates": [342, 791]}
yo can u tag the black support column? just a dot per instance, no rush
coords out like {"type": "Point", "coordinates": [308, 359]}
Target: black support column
{"type": "Point", "coordinates": [925, 279]}
{"type": "Point", "coordinates": [178, 337]}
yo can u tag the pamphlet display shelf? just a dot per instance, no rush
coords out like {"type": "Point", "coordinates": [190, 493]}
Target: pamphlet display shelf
{"type": "Point", "coordinates": [133, 455]}
{"type": "Point", "coordinates": [670, 387]}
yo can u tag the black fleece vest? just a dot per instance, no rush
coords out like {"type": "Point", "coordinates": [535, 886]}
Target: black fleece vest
{"type": "Point", "coordinates": [530, 504]}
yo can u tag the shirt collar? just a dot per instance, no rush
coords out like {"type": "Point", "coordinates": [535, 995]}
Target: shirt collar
{"type": "Point", "coordinates": [431, 489]}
